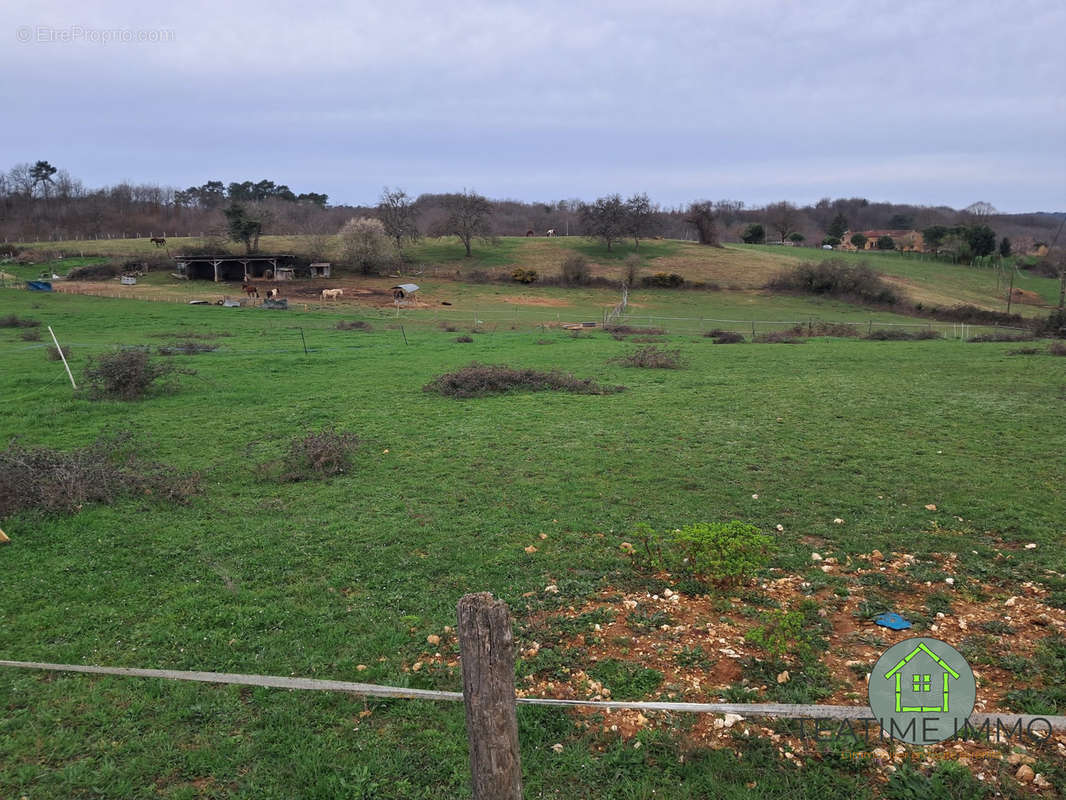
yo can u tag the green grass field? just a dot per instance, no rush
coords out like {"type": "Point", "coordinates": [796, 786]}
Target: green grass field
{"type": "Point", "coordinates": [315, 578]}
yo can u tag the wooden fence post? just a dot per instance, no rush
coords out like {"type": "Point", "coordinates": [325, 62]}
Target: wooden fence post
{"type": "Point", "coordinates": [486, 647]}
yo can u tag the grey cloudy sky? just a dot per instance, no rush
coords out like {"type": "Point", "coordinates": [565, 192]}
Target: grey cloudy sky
{"type": "Point", "coordinates": [929, 102]}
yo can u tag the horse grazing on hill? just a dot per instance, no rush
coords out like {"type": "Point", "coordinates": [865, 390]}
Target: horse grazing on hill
{"type": "Point", "coordinates": [158, 241]}
{"type": "Point", "coordinates": [250, 290]}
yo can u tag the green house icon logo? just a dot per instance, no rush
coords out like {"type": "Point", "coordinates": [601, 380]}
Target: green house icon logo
{"type": "Point", "coordinates": [922, 682]}
{"type": "Point", "coordinates": [922, 691]}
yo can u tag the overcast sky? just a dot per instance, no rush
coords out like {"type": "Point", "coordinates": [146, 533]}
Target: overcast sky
{"type": "Point", "coordinates": [937, 103]}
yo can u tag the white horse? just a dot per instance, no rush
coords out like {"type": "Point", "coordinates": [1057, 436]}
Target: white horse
{"type": "Point", "coordinates": [551, 232]}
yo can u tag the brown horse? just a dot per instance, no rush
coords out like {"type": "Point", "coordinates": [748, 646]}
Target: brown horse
{"type": "Point", "coordinates": [250, 290]}
{"type": "Point", "coordinates": [158, 241]}
{"type": "Point", "coordinates": [529, 232]}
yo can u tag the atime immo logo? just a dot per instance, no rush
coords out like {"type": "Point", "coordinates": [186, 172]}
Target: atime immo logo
{"type": "Point", "coordinates": [922, 691]}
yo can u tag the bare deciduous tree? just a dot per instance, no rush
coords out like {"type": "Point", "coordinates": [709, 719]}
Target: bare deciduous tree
{"type": "Point", "coordinates": [704, 218]}
{"type": "Point", "coordinates": [469, 216]}
{"type": "Point", "coordinates": [783, 218]}
{"type": "Point", "coordinates": [398, 214]}
{"type": "Point", "coordinates": [607, 219]}
{"type": "Point", "coordinates": [642, 217]}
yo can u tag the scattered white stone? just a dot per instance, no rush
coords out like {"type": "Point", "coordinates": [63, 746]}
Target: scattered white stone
{"type": "Point", "coordinates": [1010, 601]}
{"type": "Point", "coordinates": [1024, 774]}
{"type": "Point", "coordinates": [629, 604]}
{"type": "Point", "coordinates": [838, 521]}
{"type": "Point", "coordinates": [949, 581]}
{"type": "Point", "coordinates": [551, 588]}
{"type": "Point", "coordinates": [558, 748]}
{"type": "Point", "coordinates": [783, 677]}
{"type": "Point", "coordinates": [1031, 546]}
{"type": "Point", "coordinates": [728, 721]}
{"type": "Point", "coordinates": [433, 639]}
{"type": "Point", "coordinates": [755, 497]}
{"type": "Point", "coordinates": [668, 593]}
{"type": "Point", "coordinates": [780, 527]}
{"type": "Point", "coordinates": [816, 557]}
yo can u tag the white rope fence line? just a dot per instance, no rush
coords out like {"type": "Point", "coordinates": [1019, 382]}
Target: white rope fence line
{"type": "Point", "coordinates": [784, 710]}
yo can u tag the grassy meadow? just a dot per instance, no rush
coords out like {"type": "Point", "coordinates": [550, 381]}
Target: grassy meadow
{"type": "Point", "coordinates": [733, 267]}
{"type": "Point", "coordinates": [345, 578]}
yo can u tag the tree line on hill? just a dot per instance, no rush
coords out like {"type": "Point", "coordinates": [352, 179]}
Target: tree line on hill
{"type": "Point", "coordinates": [40, 202]}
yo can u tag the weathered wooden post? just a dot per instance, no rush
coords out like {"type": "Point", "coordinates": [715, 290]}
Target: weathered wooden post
{"type": "Point", "coordinates": [486, 647]}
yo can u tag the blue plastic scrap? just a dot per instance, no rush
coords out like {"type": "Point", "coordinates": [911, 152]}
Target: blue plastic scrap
{"type": "Point", "coordinates": [892, 620]}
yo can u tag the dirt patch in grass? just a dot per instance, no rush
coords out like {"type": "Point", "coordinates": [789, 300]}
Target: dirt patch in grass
{"type": "Point", "coordinates": [478, 380]}
{"type": "Point", "coordinates": [546, 302]}
{"type": "Point", "coordinates": [665, 644]}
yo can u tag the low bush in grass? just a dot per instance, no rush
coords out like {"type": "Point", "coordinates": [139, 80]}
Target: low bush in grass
{"type": "Point", "coordinates": [971, 315]}
{"type": "Point", "coordinates": [15, 321]}
{"type": "Point", "coordinates": [718, 553]}
{"type": "Point", "coordinates": [464, 339]}
{"type": "Point", "coordinates": [662, 280]}
{"type": "Point", "coordinates": [186, 348]}
{"type": "Point", "coordinates": [729, 337]}
{"type": "Point", "coordinates": [575, 271]}
{"type": "Point", "coordinates": [1001, 336]}
{"type": "Point", "coordinates": [726, 337]}
{"type": "Point", "coordinates": [54, 354]}
{"type": "Point", "coordinates": [837, 330]}
{"type": "Point", "coordinates": [57, 481]}
{"type": "Point", "coordinates": [128, 375]}
{"type": "Point", "coordinates": [622, 331]}
{"type": "Point", "coordinates": [30, 336]}
{"type": "Point", "coordinates": [899, 335]}
{"type": "Point", "coordinates": [1053, 325]}
{"type": "Point", "coordinates": [96, 272]}
{"type": "Point", "coordinates": [354, 325]}
{"type": "Point", "coordinates": [651, 357]}
{"type": "Point", "coordinates": [319, 455]}
{"type": "Point", "coordinates": [837, 279]}
{"type": "Point", "coordinates": [524, 275]}
{"type": "Point", "coordinates": [1057, 348]}
{"type": "Point", "coordinates": [778, 337]}
{"type": "Point", "coordinates": [478, 380]}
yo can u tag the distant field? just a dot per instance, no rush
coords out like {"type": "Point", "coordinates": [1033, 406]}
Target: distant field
{"type": "Point", "coordinates": [733, 267]}
{"type": "Point", "coordinates": [318, 577]}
